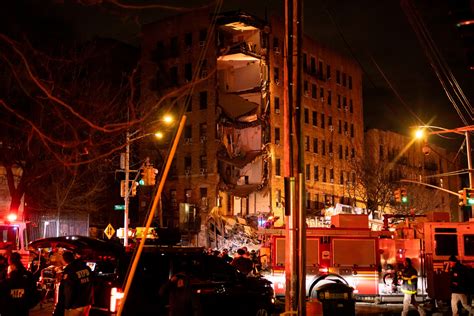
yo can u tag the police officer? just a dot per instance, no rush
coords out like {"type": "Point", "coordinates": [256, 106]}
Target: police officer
{"type": "Point", "coordinates": [76, 293]}
{"type": "Point", "coordinates": [17, 289]}
{"type": "Point", "coordinates": [459, 286]}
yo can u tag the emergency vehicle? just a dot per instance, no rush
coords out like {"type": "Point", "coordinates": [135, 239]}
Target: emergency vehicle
{"type": "Point", "coordinates": [368, 260]}
{"type": "Point", "coordinates": [348, 248]}
{"type": "Point", "coordinates": [13, 237]}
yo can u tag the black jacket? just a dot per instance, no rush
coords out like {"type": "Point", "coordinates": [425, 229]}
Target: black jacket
{"type": "Point", "coordinates": [410, 280]}
{"type": "Point", "coordinates": [459, 279]}
{"type": "Point", "coordinates": [76, 287]}
{"type": "Point", "coordinates": [16, 293]}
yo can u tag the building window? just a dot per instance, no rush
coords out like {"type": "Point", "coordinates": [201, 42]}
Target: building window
{"type": "Point", "coordinates": [340, 152]}
{"type": "Point", "coordinates": [187, 163]}
{"type": "Point", "coordinates": [341, 177]}
{"type": "Point", "coordinates": [308, 200]}
{"type": "Point", "coordinates": [320, 73]}
{"type": "Point", "coordinates": [316, 173]}
{"type": "Point", "coordinates": [202, 37]}
{"type": "Point", "coordinates": [174, 75]}
{"type": "Point", "coordinates": [329, 97]}
{"type": "Point", "coordinates": [350, 82]}
{"type": "Point", "coordinates": [352, 153]}
{"type": "Point", "coordinates": [314, 91]}
{"type": "Point", "coordinates": [345, 127]}
{"type": "Point", "coordinates": [306, 116]}
{"type": "Point", "coordinates": [351, 107]}
{"type": "Point", "coordinates": [203, 131]}
{"type": "Point", "coordinates": [344, 102]}
{"type": "Point", "coordinates": [277, 135]}
{"type": "Point", "coordinates": [324, 174]}
{"type": "Point", "coordinates": [188, 40]}
{"type": "Point", "coordinates": [188, 193]}
{"type": "Point", "coordinates": [322, 121]}
{"type": "Point", "coordinates": [276, 42]}
{"type": "Point", "coordinates": [308, 172]}
{"type": "Point", "coordinates": [323, 147]}
{"type": "Point", "coordinates": [330, 121]}
{"type": "Point", "coordinates": [331, 175]}
{"type": "Point", "coordinates": [203, 100]}
{"type": "Point", "coordinates": [346, 154]}
{"type": "Point", "coordinates": [344, 81]}
{"type": "Point", "coordinates": [276, 104]}
{"type": "Point", "coordinates": [380, 152]}
{"type": "Point", "coordinates": [315, 145]}
{"type": "Point", "coordinates": [330, 148]}
{"type": "Point", "coordinates": [277, 167]}
{"type": "Point", "coordinates": [306, 143]}
{"type": "Point", "coordinates": [328, 72]}
{"type": "Point", "coordinates": [276, 75]}
{"type": "Point", "coordinates": [174, 200]}
{"type": "Point", "coordinates": [305, 62]}
{"type": "Point", "coordinates": [188, 131]}
{"type": "Point", "coordinates": [338, 77]}
{"type": "Point", "coordinates": [203, 162]}
{"type": "Point", "coordinates": [188, 72]}
{"type": "Point", "coordinates": [338, 101]}
{"type": "Point", "coordinates": [189, 103]}
{"type": "Point", "coordinates": [339, 127]}
{"type": "Point", "coordinates": [315, 118]}
{"type": "Point", "coordinates": [313, 66]}
{"type": "Point", "coordinates": [352, 130]}
{"type": "Point", "coordinates": [321, 94]}
{"type": "Point", "coordinates": [305, 88]}
{"type": "Point", "coordinates": [174, 46]}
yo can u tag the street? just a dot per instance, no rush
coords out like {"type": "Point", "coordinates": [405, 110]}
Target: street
{"type": "Point", "coordinates": [362, 309]}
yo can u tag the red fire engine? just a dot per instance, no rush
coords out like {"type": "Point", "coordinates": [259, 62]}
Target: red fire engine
{"type": "Point", "coordinates": [13, 237]}
{"type": "Point", "coordinates": [368, 260]}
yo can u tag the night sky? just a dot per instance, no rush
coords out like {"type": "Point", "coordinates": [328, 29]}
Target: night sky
{"type": "Point", "coordinates": [377, 33]}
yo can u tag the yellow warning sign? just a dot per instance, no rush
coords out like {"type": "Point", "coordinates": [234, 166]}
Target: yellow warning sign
{"type": "Point", "coordinates": [109, 231]}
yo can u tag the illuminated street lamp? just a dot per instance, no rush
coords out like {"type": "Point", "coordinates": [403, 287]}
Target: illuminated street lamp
{"type": "Point", "coordinates": [167, 119]}
{"type": "Point", "coordinates": [420, 134]}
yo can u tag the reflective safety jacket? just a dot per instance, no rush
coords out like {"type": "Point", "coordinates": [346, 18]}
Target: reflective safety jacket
{"type": "Point", "coordinates": [410, 280]}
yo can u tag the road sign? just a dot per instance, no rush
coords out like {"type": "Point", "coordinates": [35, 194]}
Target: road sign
{"type": "Point", "coordinates": [109, 231]}
{"type": "Point", "coordinates": [119, 207]}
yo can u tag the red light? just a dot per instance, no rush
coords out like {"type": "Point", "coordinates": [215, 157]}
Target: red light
{"type": "Point", "coordinates": [11, 217]}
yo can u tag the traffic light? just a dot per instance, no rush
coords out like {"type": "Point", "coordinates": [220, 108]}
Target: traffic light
{"type": "Point", "coordinates": [466, 197]}
{"type": "Point", "coordinates": [404, 196]}
{"type": "Point", "coordinates": [123, 188]}
{"type": "Point", "coordinates": [462, 197]}
{"type": "Point", "coordinates": [397, 195]}
{"type": "Point", "coordinates": [134, 188]}
{"type": "Point", "coordinates": [470, 196]}
{"type": "Point", "coordinates": [148, 174]}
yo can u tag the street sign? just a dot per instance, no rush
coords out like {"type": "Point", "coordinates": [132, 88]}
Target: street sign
{"type": "Point", "coordinates": [119, 207]}
{"type": "Point", "coordinates": [109, 231]}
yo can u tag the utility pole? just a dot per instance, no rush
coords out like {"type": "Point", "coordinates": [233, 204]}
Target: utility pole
{"type": "Point", "coordinates": [127, 191]}
{"type": "Point", "coordinates": [295, 217]}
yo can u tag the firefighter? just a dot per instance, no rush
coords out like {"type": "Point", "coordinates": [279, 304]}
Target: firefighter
{"type": "Point", "coordinates": [76, 293]}
{"type": "Point", "coordinates": [409, 287]}
{"type": "Point", "coordinates": [459, 285]}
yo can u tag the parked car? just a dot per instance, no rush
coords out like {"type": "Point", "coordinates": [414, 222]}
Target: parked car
{"type": "Point", "coordinates": [217, 287]}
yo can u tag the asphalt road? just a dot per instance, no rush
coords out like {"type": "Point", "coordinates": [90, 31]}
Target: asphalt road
{"type": "Point", "coordinates": [362, 309]}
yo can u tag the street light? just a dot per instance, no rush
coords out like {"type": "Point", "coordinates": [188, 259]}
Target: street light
{"type": "Point", "coordinates": [420, 133]}
{"type": "Point", "coordinates": [167, 119]}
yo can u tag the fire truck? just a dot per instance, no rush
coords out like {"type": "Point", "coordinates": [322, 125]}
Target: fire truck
{"type": "Point", "coordinates": [368, 260]}
{"type": "Point", "coordinates": [348, 248]}
{"type": "Point", "coordinates": [13, 237]}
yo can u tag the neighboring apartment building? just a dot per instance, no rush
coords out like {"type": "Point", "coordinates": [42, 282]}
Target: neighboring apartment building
{"type": "Point", "coordinates": [230, 158]}
{"type": "Point", "coordinates": [415, 160]}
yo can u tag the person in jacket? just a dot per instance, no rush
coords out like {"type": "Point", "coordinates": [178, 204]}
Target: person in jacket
{"type": "Point", "coordinates": [242, 263]}
{"type": "Point", "coordinates": [459, 285]}
{"type": "Point", "coordinates": [76, 292]}
{"type": "Point", "coordinates": [409, 277]}
{"type": "Point", "coordinates": [17, 290]}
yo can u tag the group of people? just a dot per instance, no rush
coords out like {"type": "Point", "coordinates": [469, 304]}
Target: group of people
{"type": "Point", "coordinates": [19, 293]}
{"type": "Point", "coordinates": [243, 260]}
{"type": "Point", "coordinates": [459, 285]}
